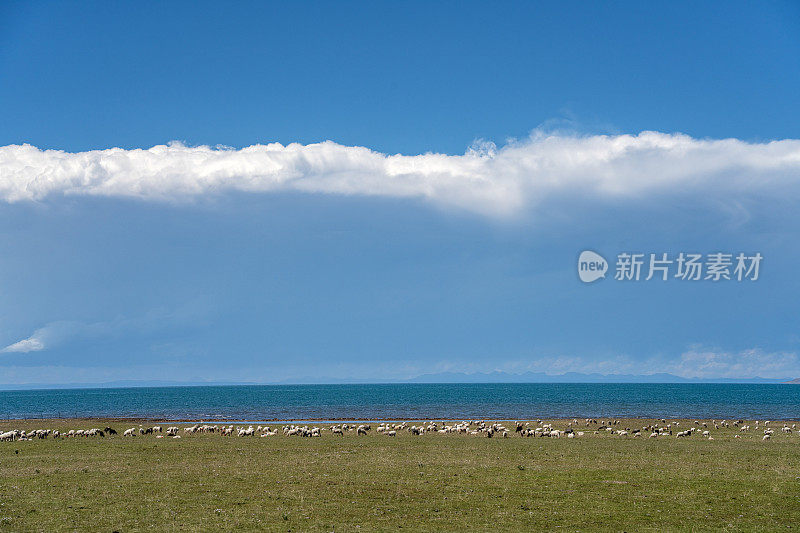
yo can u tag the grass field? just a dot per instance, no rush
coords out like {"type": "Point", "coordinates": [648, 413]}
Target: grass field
{"type": "Point", "coordinates": [423, 483]}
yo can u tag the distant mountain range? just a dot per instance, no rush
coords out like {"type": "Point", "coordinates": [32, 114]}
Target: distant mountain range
{"type": "Point", "coordinates": [441, 377]}
{"type": "Point", "coordinates": [122, 384]}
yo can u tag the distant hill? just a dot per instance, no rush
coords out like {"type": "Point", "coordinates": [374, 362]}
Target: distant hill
{"type": "Point", "coordinates": [795, 381]}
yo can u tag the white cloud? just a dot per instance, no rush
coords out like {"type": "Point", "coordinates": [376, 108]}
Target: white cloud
{"type": "Point", "coordinates": [488, 180]}
{"type": "Point", "coordinates": [45, 337]}
{"type": "Point", "coordinates": [61, 332]}
{"type": "Point", "coordinates": [31, 344]}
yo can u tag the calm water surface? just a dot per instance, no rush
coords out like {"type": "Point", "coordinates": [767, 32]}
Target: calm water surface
{"type": "Point", "coordinates": [410, 401]}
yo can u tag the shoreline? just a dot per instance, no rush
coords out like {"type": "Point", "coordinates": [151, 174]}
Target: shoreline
{"type": "Point", "coordinates": [380, 420]}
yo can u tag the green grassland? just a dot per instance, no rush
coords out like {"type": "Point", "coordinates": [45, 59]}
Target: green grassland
{"type": "Point", "coordinates": [432, 482]}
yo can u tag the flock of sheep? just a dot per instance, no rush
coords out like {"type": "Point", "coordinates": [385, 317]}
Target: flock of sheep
{"type": "Point", "coordinates": [572, 430]}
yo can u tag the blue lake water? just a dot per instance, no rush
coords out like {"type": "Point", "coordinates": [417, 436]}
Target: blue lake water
{"type": "Point", "coordinates": [411, 401]}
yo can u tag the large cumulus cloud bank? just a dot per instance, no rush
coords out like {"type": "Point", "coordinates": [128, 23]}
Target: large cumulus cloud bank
{"type": "Point", "coordinates": [486, 179]}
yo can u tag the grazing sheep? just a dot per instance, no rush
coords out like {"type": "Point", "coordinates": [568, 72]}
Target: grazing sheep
{"type": "Point", "coordinates": [481, 428]}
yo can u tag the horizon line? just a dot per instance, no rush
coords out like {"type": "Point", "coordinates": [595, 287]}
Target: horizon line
{"type": "Point", "coordinates": [148, 384]}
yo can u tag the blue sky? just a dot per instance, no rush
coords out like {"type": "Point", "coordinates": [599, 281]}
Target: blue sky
{"type": "Point", "coordinates": [221, 255]}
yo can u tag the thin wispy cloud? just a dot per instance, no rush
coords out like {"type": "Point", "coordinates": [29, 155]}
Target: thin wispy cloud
{"type": "Point", "coordinates": [694, 362]}
{"type": "Point", "coordinates": [486, 179]}
{"type": "Point", "coordinates": [710, 363]}
{"type": "Point", "coordinates": [47, 336]}
{"type": "Point", "coordinates": [55, 334]}
{"type": "Point", "coordinates": [702, 363]}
